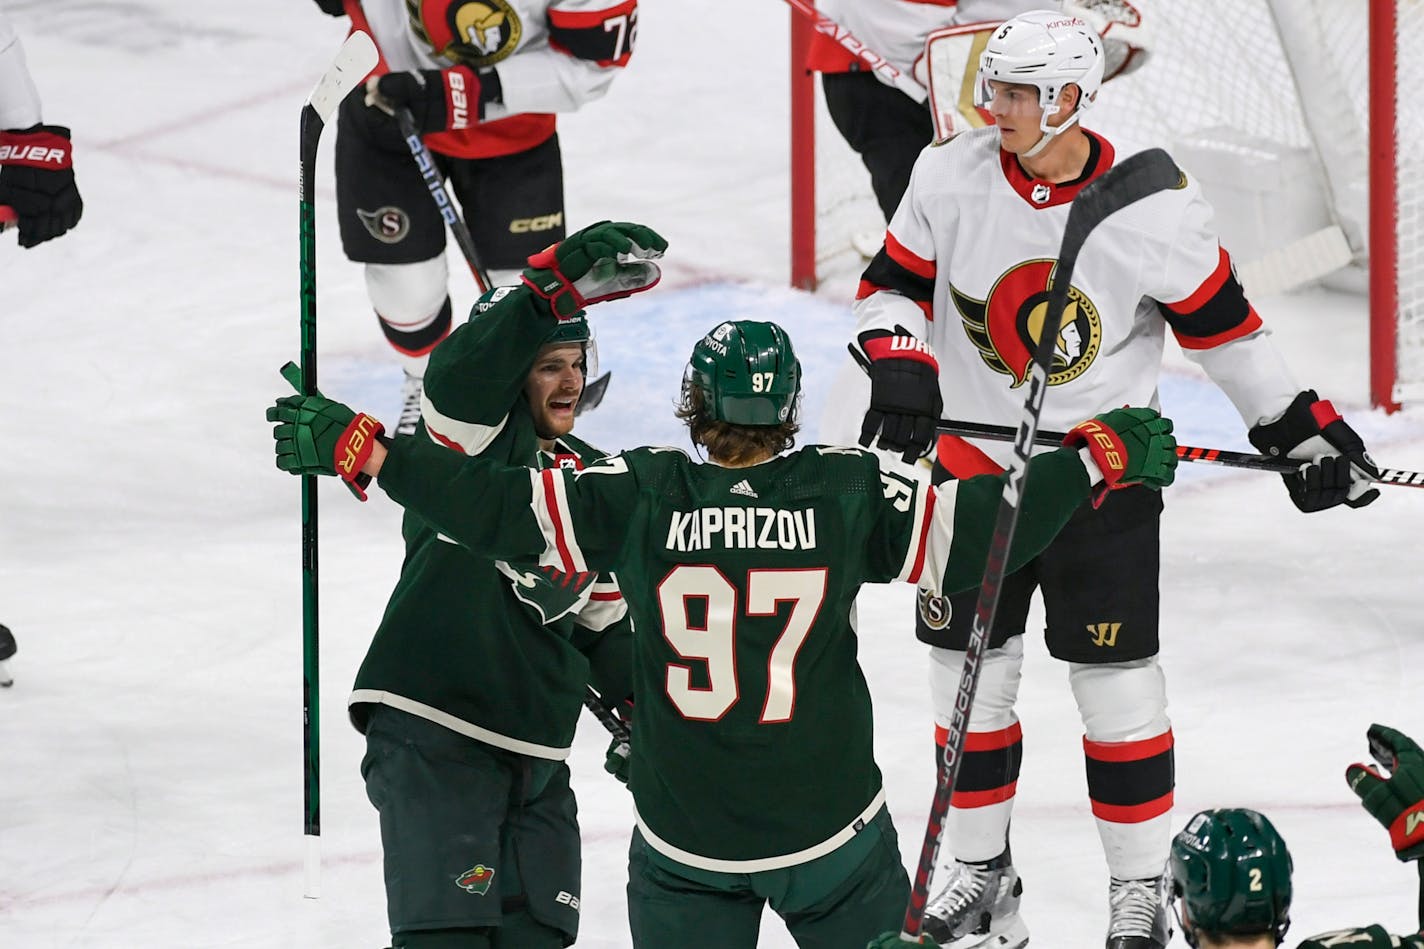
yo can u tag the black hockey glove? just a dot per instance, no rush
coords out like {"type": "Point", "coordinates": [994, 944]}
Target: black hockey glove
{"type": "Point", "coordinates": [332, 7]}
{"type": "Point", "coordinates": [905, 402]}
{"type": "Point", "coordinates": [440, 100]}
{"type": "Point", "coordinates": [1335, 470]}
{"type": "Point", "coordinates": [37, 180]}
{"type": "Point", "coordinates": [1396, 801]}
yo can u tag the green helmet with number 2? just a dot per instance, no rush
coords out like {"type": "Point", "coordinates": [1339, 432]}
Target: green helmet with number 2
{"type": "Point", "coordinates": [747, 373]}
{"type": "Point", "coordinates": [1232, 871]}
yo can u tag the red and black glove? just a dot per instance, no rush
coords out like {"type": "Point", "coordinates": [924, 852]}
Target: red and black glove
{"type": "Point", "coordinates": [37, 180]}
{"type": "Point", "coordinates": [440, 100]}
{"type": "Point", "coordinates": [1335, 467]}
{"type": "Point", "coordinates": [905, 402]}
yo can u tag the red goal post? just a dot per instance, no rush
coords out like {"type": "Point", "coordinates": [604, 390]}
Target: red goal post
{"type": "Point", "coordinates": [1287, 110]}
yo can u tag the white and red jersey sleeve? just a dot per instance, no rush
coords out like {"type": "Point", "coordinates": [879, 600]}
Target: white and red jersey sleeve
{"type": "Point", "coordinates": [19, 100]}
{"type": "Point", "coordinates": [897, 289]}
{"type": "Point", "coordinates": [586, 43]}
{"type": "Point", "coordinates": [1215, 324]}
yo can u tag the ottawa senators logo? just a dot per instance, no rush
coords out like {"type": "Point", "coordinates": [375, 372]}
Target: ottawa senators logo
{"type": "Point", "coordinates": [934, 610]}
{"type": "Point", "coordinates": [388, 224]}
{"type": "Point", "coordinates": [466, 32]}
{"type": "Point", "coordinates": [1006, 326]}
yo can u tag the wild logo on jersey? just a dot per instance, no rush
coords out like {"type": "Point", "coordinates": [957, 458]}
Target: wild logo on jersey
{"type": "Point", "coordinates": [468, 32]}
{"type": "Point", "coordinates": [1006, 326]}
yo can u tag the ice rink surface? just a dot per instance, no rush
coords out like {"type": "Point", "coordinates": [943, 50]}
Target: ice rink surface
{"type": "Point", "coordinates": [150, 790]}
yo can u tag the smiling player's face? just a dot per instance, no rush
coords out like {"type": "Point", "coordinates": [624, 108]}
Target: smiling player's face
{"type": "Point", "coordinates": [553, 388]}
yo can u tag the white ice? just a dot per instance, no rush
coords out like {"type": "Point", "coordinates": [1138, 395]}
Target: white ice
{"type": "Point", "coordinates": [150, 790]}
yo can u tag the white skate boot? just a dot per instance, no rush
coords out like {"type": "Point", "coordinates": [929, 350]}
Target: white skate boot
{"type": "Point", "coordinates": [978, 907]}
{"type": "Point", "coordinates": [1138, 917]}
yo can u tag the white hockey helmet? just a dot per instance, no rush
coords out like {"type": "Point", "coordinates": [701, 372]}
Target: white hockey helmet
{"type": "Point", "coordinates": [1047, 49]}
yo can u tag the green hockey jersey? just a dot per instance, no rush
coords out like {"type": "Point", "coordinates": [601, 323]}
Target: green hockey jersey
{"type": "Point", "coordinates": [752, 730]}
{"type": "Point", "coordinates": [1371, 937]}
{"type": "Point", "coordinates": [499, 650]}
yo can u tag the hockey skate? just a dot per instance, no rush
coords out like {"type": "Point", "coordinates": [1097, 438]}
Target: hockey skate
{"type": "Point", "coordinates": [978, 907]}
{"type": "Point", "coordinates": [1138, 914]}
{"type": "Point", "coordinates": [7, 649]}
{"type": "Point", "coordinates": [410, 404]}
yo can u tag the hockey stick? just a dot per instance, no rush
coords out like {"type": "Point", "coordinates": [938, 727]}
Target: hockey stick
{"type": "Point", "coordinates": [1137, 177]}
{"type": "Point", "coordinates": [8, 217]}
{"type": "Point", "coordinates": [594, 703]}
{"type": "Point", "coordinates": [1210, 456]}
{"type": "Point", "coordinates": [434, 182]}
{"type": "Point", "coordinates": [877, 63]}
{"type": "Point", "coordinates": [355, 59]}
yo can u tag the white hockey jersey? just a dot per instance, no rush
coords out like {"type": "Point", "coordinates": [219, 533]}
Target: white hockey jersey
{"type": "Point", "coordinates": [19, 100]}
{"type": "Point", "coordinates": [965, 267]}
{"type": "Point", "coordinates": [551, 56]}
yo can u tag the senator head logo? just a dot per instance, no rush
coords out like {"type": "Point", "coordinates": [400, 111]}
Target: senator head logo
{"type": "Point", "coordinates": [468, 32]}
{"type": "Point", "coordinates": [1006, 326]}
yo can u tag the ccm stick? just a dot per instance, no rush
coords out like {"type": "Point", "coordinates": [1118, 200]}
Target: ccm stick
{"type": "Point", "coordinates": [1139, 176]}
{"type": "Point", "coordinates": [1210, 456]}
{"type": "Point", "coordinates": [356, 58]}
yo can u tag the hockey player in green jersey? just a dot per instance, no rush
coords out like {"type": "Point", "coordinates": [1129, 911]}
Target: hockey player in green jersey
{"type": "Point", "coordinates": [752, 773]}
{"type": "Point", "coordinates": [1231, 871]}
{"type": "Point", "coordinates": [473, 684]}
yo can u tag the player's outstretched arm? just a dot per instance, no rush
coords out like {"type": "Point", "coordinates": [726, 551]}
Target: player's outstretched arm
{"type": "Point", "coordinates": [1122, 447]}
{"type": "Point", "coordinates": [1335, 467]}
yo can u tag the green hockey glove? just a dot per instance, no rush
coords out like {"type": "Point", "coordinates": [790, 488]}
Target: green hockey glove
{"type": "Point", "coordinates": [1396, 801]}
{"type": "Point", "coordinates": [894, 940]}
{"type": "Point", "coordinates": [316, 436]}
{"type": "Point", "coordinates": [1129, 446]}
{"type": "Point", "coordinates": [616, 761]}
{"type": "Point", "coordinates": [604, 261]}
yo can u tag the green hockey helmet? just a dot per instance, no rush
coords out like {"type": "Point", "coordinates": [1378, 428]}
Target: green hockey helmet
{"type": "Point", "coordinates": [575, 329]}
{"type": "Point", "coordinates": [747, 373]}
{"type": "Point", "coordinates": [1232, 872]}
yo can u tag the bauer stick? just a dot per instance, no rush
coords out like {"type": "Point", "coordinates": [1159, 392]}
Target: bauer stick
{"type": "Point", "coordinates": [355, 59]}
{"type": "Point", "coordinates": [1210, 456]}
{"type": "Point", "coordinates": [878, 64]}
{"type": "Point", "coordinates": [434, 182]}
{"type": "Point", "coordinates": [8, 217]}
{"type": "Point", "coordinates": [1137, 177]}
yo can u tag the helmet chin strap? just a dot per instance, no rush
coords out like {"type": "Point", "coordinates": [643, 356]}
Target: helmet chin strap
{"type": "Point", "coordinates": [1050, 132]}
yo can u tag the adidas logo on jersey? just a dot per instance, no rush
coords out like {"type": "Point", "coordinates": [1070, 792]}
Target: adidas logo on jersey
{"type": "Point", "coordinates": [744, 489]}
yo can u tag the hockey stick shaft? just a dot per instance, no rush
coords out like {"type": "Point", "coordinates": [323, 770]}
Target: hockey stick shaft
{"type": "Point", "coordinates": [1210, 456]}
{"type": "Point", "coordinates": [429, 171]}
{"type": "Point", "coordinates": [352, 63]}
{"type": "Point", "coordinates": [594, 703]}
{"type": "Point", "coordinates": [1135, 178]}
{"type": "Point", "coordinates": [874, 61]}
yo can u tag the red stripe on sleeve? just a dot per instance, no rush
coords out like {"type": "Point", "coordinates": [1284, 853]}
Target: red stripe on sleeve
{"type": "Point", "coordinates": [962, 459]}
{"type": "Point", "coordinates": [1128, 750]}
{"type": "Point", "coordinates": [911, 261]}
{"type": "Point", "coordinates": [1208, 287]}
{"type": "Point", "coordinates": [444, 440]}
{"type": "Point", "coordinates": [583, 19]}
{"type": "Point", "coordinates": [924, 537]}
{"type": "Point", "coordinates": [1245, 328]}
{"type": "Point", "coordinates": [551, 503]}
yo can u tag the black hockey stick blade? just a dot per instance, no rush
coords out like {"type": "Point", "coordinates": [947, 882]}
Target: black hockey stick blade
{"type": "Point", "coordinates": [1210, 456]}
{"type": "Point", "coordinates": [593, 393]}
{"type": "Point", "coordinates": [1131, 180]}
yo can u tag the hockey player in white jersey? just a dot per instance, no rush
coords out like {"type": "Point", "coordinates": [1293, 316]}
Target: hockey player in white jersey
{"type": "Point", "coordinates": [484, 81]}
{"type": "Point", "coordinates": [964, 268]}
{"type": "Point", "coordinates": [885, 126]}
{"type": "Point", "coordinates": [36, 181]}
